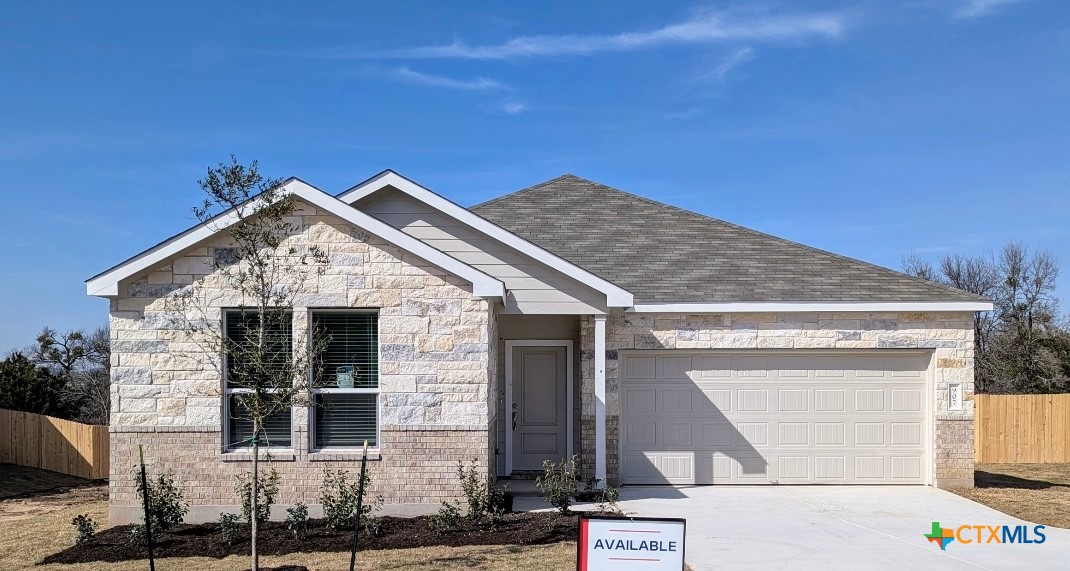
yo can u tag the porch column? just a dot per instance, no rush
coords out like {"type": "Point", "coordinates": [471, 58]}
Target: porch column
{"type": "Point", "coordinates": [600, 399]}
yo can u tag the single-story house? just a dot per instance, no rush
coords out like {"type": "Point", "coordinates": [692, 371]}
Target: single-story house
{"type": "Point", "coordinates": [659, 345]}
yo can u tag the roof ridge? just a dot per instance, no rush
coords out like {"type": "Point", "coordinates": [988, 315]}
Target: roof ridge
{"type": "Point", "coordinates": [532, 187]}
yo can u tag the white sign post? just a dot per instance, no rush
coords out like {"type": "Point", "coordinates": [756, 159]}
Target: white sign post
{"type": "Point", "coordinates": [625, 544]}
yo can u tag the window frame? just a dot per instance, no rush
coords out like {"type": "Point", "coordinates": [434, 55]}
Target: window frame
{"type": "Point", "coordinates": [313, 408]}
{"type": "Point", "coordinates": [228, 391]}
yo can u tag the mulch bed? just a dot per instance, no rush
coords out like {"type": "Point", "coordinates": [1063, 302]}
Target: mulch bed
{"type": "Point", "coordinates": [205, 540]}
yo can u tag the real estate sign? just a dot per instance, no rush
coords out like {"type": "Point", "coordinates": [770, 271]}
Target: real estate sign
{"type": "Point", "coordinates": [630, 543]}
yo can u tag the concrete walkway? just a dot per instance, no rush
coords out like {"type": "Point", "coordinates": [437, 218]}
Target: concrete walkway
{"type": "Point", "coordinates": [834, 527]}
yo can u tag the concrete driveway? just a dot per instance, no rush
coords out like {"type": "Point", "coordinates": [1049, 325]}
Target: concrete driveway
{"type": "Point", "coordinates": [835, 527]}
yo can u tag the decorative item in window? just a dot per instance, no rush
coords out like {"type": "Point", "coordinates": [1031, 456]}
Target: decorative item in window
{"type": "Point", "coordinates": [344, 377]}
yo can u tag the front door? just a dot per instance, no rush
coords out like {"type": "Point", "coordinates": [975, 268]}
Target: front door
{"type": "Point", "coordinates": [539, 411]}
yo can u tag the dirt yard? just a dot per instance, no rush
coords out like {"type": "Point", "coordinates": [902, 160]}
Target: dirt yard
{"type": "Point", "coordinates": [36, 508]}
{"type": "Point", "coordinates": [1034, 492]}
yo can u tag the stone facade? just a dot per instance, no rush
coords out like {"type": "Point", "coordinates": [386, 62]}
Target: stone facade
{"type": "Point", "coordinates": [436, 354]}
{"type": "Point", "coordinates": [948, 335]}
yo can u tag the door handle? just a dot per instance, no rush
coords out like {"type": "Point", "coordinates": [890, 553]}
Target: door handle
{"type": "Point", "coordinates": [514, 420]}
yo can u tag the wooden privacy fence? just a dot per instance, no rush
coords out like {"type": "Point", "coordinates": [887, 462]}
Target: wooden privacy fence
{"type": "Point", "coordinates": [1021, 429]}
{"type": "Point", "coordinates": [54, 444]}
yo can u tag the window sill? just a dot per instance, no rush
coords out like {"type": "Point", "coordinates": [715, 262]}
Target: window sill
{"type": "Point", "coordinates": [341, 456]}
{"type": "Point", "coordinates": [281, 455]}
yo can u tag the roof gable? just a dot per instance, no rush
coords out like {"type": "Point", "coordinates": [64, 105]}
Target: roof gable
{"type": "Point", "coordinates": [106, 284]}
{"type": "Point", "coordinates": [668, 255]}
{"type": "Point", "coordinates": [616, 296]}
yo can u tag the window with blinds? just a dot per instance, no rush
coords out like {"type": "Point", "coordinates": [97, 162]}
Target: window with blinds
{"type": "Point", "coordinates": [245, 366]}
{"type": "Point", "coordinates": [346, 380]}
{"type": "Point", "coordinates": [350, 358]}
{"type": "Point", "coordinates": [242, 331]}
{"type": "Point", "coordinates": [346, 420]}
{"type": "Point", "coordinates": [275, 433]}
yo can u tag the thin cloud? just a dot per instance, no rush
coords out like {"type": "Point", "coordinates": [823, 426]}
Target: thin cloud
{"type": "Point", "coordinates": [475, 84]}
{"type": "Point", "coordinates": [704, 28]}
{"type": "Point", "coordinates": [978, 8]}
{"type": "Point", "coordinates": [688, 114]}
{"type": "Point", "coordinates": [514, 106]}
{"type": "Point", "coordinates": [734, 60]}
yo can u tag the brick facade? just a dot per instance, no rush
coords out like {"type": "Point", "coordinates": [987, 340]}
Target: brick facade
{"type": "Point", "coordinates": [948, 335]}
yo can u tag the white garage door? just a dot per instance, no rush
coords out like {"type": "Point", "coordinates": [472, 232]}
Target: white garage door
{"type": "Point", "coordinates": [759, 417]}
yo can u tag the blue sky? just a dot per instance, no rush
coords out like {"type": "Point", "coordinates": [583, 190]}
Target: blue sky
{"type": "Point", "coordinates": [871, 129]}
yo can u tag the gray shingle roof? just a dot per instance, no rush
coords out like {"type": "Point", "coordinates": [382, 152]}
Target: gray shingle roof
{"type": "Point", "coordinates": [664, 254]}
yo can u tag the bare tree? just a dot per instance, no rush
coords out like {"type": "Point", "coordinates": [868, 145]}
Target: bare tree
{"type": "Point", "coordinates": [919, 267]}
{"type": "Point", "coordinates": [260, 272]}
{"type": "Point", "coordinates": [1020, 346]}
{"type": "Point", "coordinates": [84, 359]}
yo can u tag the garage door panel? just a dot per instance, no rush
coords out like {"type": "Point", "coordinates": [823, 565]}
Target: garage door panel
{"type": "Point", "coordinates": [793, 400]}
{"type": "Point", "coordinates": [830, 468]}
{"type": "Point", "coordinates": [793, 433]}
{"type": "Point", "coordinates": [807, 418]}
{"type": "Point", "coordinates": [676, 400]}
{"type": "Point", "coordinates": [752, 400]}
{"type": "Point", "coordinates": [716, 400]}
{"type": "Point", "coordinates": [906, 400]}
{"type": "Point", "coordinates": [794, 468]}
{"type": "Point", "coordinates": [869, 468]}
{"type": "Point", "coordinates": [660, 468]}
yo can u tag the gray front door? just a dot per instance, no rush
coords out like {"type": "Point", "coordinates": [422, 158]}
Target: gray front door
{"type": "Point", "coordinates": [538, 414]}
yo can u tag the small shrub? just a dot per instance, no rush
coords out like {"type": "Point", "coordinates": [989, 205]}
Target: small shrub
{"type": "Point", "coordinates": [137, 534]}
{"type": "Point", "coordinates": [167, 505]}
{"type": "Point", "coordinates": [606, 497]}
{"type": "Point", "coordinates": [228, 526]}
{"type": "Point", "coordinates": [84, 529]}
{"type": "Point", "coordinates": [486, 500]}
{"type": "Point", "coordinates": [448, 517]}
{"type": "Point", "coordinates": [338, 495]}
{"type": "Point", "coordinates": [297, 520]}
{"type": "Point", "coordinates": [267, 489]}
{"type": "Point", "coordinates": [558, 483]}
{"type": "Point", "coordinates": [608, 501]}
{"type": "Point", "coordinates": [373, 524]}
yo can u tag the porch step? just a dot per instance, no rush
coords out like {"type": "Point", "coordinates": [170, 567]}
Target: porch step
{"type": "Point", "coordinates": [524, 475]}
{"type": "Point", "coordinates": [520, 487]}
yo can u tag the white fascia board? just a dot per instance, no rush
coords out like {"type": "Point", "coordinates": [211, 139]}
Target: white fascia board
{"type": "Point", "coordinates": [615, 295]}
{"type": "Point", "coordinates": [796, 307]}
{"type": "Point", "coordinates": [483, 285]}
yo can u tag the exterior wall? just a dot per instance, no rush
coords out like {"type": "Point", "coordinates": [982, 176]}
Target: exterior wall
{"type": "Point", "coordinates": [513, 327]}
{"type": "Point", "coordinates": [533, 287]}
{"type": "Point", "coordinates": [948, 335]}
{"type": "Point", "coordinates": [435, 358]}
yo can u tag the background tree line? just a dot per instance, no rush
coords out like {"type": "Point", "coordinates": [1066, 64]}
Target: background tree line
{"type": "Point", "coordinates": [1023, 344]}
{"type": "Point", "coordinates": [66, 375]}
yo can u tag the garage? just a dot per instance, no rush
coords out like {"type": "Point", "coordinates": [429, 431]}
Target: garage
{"type": "Point", "coordinates": [762, 417]}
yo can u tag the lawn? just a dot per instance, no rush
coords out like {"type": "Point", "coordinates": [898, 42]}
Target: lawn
{"type": "Point", "coordinates": [1034, 492]}
{"type": "Point", "coordinates": [35, 521]}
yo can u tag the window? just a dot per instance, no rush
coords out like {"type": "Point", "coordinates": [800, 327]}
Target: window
{"type": "Point", "coordinates": [243, 374]}
{"type": "Point", "coordinates": [346, 380]}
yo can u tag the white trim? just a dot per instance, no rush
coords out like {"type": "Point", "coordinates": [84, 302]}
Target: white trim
{"type": "Point", "coordinates": [569, 394]}
{"type": "Point", "coordinates": [600, 399]}
{"type": "Point", "coordinates": [789, 307]}
{"type": "Point", "coordinates": [615, 295]}
{"type": "Point", "coordinates": [483, 285]}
